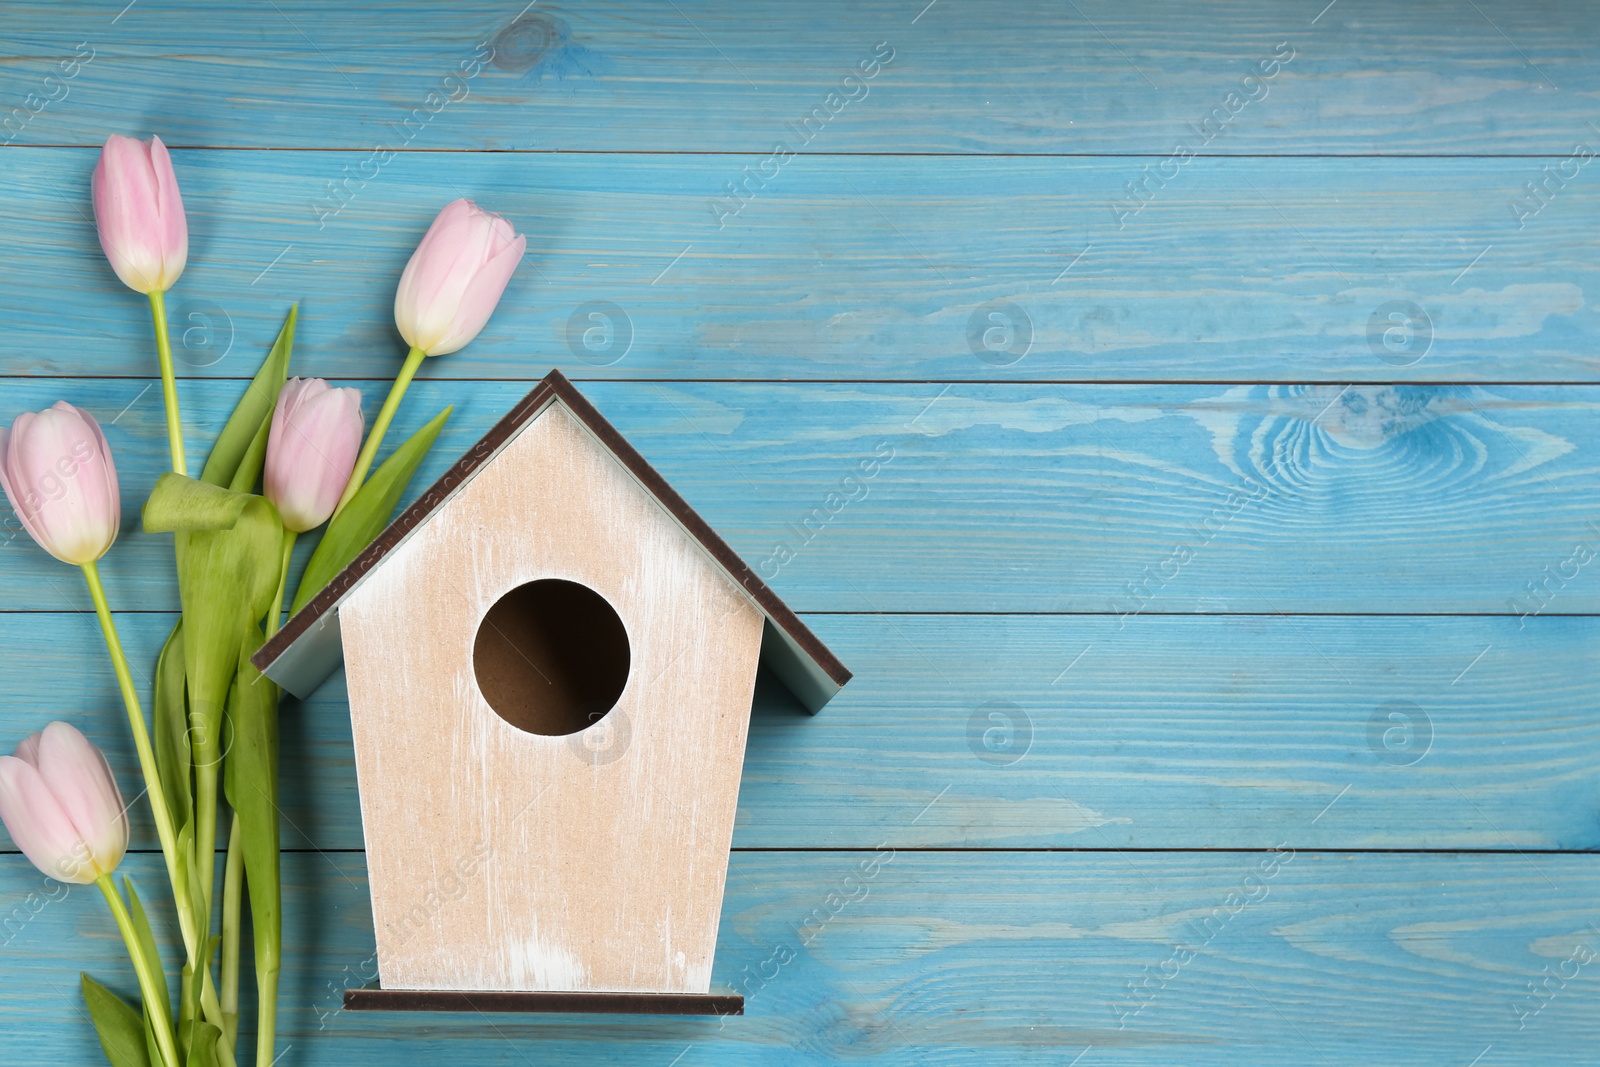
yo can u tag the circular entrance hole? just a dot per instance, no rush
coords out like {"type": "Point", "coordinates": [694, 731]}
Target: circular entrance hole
{"type": "Point", "coordinates": [551, 657]}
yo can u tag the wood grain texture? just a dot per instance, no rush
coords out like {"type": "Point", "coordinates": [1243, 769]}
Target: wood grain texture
{"type": "Point", "coordinates": [850, 268]}
{"type": "Point", "coordinates": [590, 862]}
{"type": "Point", "coordinates": [1106, 499]}
{"type": "Point", "coordinates": [1061, 732]}
{"type": "Point", "coordinates": [1031, 76]}
{"type": "Point", "coordinates": [1401, 208]}
{"type": "Point", "coordinates": [960, 960]}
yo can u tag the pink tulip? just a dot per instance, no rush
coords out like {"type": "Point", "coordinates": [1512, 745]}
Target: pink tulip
{"type": "Point", "coordinates": [62, 806]}
{"type": "Point", "coordinates": [57, 472]}
{"type": "Point", "coordinates": [139, 213]}
{"type": "Point", "coordinates": [455, 278]}
{"type": "Point", "coordinates": [311, 449]}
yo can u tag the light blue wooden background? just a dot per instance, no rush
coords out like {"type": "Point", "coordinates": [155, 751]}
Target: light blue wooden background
{"type": "Point", "coordinates": [1191, 524]}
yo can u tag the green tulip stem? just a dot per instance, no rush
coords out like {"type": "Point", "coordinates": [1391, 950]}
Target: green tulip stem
{"type": "Point", "coordinates": [177, 869]}
{"type": "Point", "coordinates": [207, 770]}
{"type": "Point", "coordinates": [208, 763]}
{"type": "Point", "coordinates": [283, 583]}
{"type": "Point", "coordinates": [169, 383]}
{"type": "Point", "coordinates": [151, 980]}
{"type": "Point", "coordinates": [268, 939]}
{"type": "Point", "coordinates": [380, 426]}
{"type": "Point", "coordinates": [266, 998]}
{"type": "Point", "coordinates": [232, 897]}
{"type": "Point", "coordinates": [211, 1009]}
{"type": "Point", "coordinates": [141, 742]}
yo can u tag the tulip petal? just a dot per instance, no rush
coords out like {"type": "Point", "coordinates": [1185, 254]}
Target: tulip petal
{"type": "Point", "coordinates": [456, 277]}
{"type": "Point", "coordinates": [62, 484]}
{"type": "Point", "coordinates": [28, 748]}
{"type": "Point", "coordinates": [311, 450]}
{"type": "Point", "coordinates": [17, 491]}
{"type": "Point", "coordinates": [78, 776]}
{"type": "Point", "coordinates": [445, 264]}
{"type": "Point", "coordinates": [110, 499]}
{"type": "Point", "coordinates": [38, 825]}
{"type": "Point", "coordinates": [123, 188]}
{"type": "Point", "coordinates": [139, 214]}
{"type": "Point", "coordinates": [174, 230]}
{"type": "Point", "coordinates": [484, 296]}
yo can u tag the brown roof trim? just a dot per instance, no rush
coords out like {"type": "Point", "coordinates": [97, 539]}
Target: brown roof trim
{"type": "Point", "coordinates": [554, 386]}
{"type": "Point", "coordinates": [730, 561]}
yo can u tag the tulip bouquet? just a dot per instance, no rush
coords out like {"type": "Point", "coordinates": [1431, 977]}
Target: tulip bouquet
{"type": "Point", "coordinates": [290, 459]}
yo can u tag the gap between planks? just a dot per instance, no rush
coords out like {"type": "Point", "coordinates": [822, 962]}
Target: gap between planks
{"type": "Point", "coordinates": [742, 153]}
{"type": "Point", "coordinates": [1436, 383]}
{"type": "Point", "coordinates": [1023, 614]}
{"type": "Point", "coordinates": [1087, 850]}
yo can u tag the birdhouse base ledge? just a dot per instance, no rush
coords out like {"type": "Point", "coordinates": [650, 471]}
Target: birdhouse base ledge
{"type": "Point", "coordinates": [373, 998]}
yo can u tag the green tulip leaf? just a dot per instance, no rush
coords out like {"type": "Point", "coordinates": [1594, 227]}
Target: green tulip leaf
{"type": "Point", "coordinates": [188, 977]}
{"type": "Point", "coordinates": [202, 1041]}
{"type": "Point", "coordinates": [226, 580]}
{"type": "Point", "coordinates": [255, 458]}
{"type": "Point", "coordinates": [368, 512]}
{"type": "Point", "coordinates": [151, 1045]}
{"type": "Point", "coordinates": [121, 1029]}
{"type": "Point", "coordinates": [171, 728]}
{"type": "Point", "coordinates": [180, 503]}
{"type": "Point", "coordinates": [147, 943]}
{"type": "Point", "coordinates": [250, 779]}
{"type": "Point", "coordinates": [234, 453]}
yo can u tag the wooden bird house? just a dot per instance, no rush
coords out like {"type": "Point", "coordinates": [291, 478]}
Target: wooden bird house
{"type": "Point", "coordinates": [550, 660]}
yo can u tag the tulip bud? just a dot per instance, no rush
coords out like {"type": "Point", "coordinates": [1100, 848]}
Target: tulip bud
{"type": "Point", "coordinates": [62, 806]}
{"type": "Point", "coordinates": [311, 449]}
{"type": "Point", "coordinates": [57, 472]}
{"type": "Point", "coordinates": [139, 213]}
{"type": "Point", "coordinates": [455, 278]}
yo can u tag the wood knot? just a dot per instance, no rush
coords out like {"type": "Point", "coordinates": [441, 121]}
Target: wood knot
{"type": "Point", "coordinates": [1370, 416]}
{"type": "Point", "coordinates": [525, 41]}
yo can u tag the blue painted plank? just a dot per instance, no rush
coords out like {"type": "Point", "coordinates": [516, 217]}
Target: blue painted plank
{"type": "Point", "coordinates": [1028, 76]}
{"type": "Point", "coordinates": [964, 959]}
{"type": "Point", "coordinates": [849, 268]}
{"type": "Point", "coordinates": [1033, 498]}
{"type": "Point", "coordinates": [1025, 731]}
{"type": "Point", "coordinates": [1133, 729]}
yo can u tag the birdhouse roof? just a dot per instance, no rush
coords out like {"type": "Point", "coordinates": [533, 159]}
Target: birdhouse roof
{"type": "Point", "coordinates": [307, 649]}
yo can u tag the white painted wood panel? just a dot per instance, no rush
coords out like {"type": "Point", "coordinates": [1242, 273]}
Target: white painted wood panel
{"type": "Point", "coordinates": [502, 859]}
